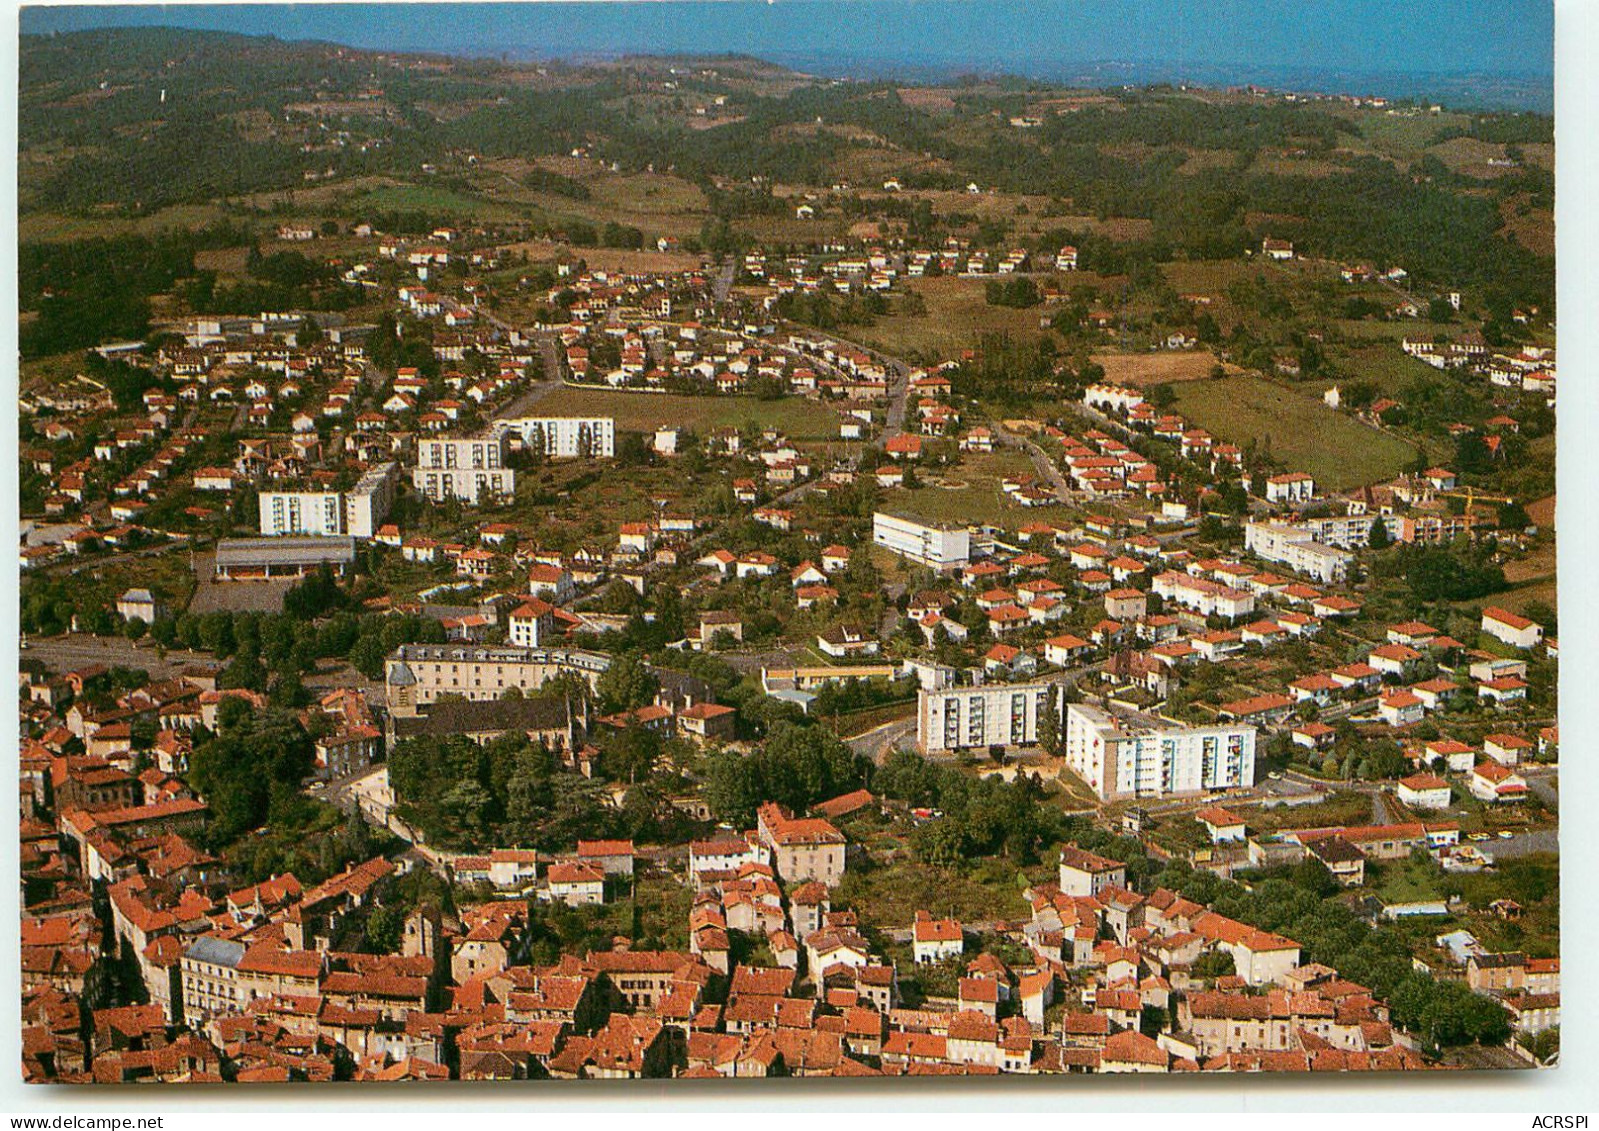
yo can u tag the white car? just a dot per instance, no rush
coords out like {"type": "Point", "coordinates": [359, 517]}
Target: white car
{"type": "Point", "coordinates": [1505, 834]}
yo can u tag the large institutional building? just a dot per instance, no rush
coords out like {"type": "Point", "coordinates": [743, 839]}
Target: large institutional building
{"type": "Point", "coordinates": [357, 512]}
{"type": "Point", "coordinates": [993, 714]}
{"type": "Point", "coordinates": [1126, 755]}
{"type": "Point", "coordinates": [943, 548]}
{"type": "Point", "coordinates": [472, 470]}
{"type": "Point", "coordinates": [416, 675]}
{"type": "Point", "coordinates": [267, 559]}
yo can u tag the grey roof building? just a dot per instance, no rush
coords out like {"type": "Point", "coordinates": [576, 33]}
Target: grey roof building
{"type": "Point", "coordinates": [261, 559]}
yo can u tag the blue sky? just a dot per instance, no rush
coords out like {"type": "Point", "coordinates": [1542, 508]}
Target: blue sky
{"type": "Point", "coordinates": [1414, 37]}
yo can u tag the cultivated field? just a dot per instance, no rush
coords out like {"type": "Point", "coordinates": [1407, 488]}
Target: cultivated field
{"type": "Point", "coordinates": [971, 493]}
{"type": "Point", "coordinates": [1305, 434]}
{"type": "Point", "coordinates": [644, 412]}
{"type": "Point", "coordinates": [433, 200]}
{"type": "Point", "coordinates": [609, 258]}
{"type": "Point", "coordinates": [957, 315]}
{"type": "Point", "coordinates": [1533, 576]}
{"type": "Point", "coordinates": [1140, 370]}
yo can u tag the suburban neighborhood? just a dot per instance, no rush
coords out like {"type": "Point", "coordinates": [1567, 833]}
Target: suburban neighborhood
{"type": "Point", "coordinates": [589, 614]}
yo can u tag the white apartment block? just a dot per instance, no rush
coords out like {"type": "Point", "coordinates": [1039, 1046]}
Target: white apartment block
{"type": "Point", "coordinates": [566, 437]}
{"type": "Point", "coordinates": [1117, 398]}
{"type": "Point", "coordinates": [1295, 487]}
{"type": "Point", "coordinates": [357, 512]}
{"type": "Point", "coordinates": [943, 548]}
{"type": "Point", "coordinates": [994, 714]}
{"type": "Point", "coordinates": [1296, 547]}
{"type": "Point", "coordinates": [367, 504]}
{"type": "Point", "coordinates": [1126, 755]}
{"type": "Point", "coordinates": [301, 512]}
{"type": "Point", "coordinates": [1205, 597]}
{"type": "Point", "coordinates": [471, 470]}
{"type": "Point", "coordinates": [1353, 531]}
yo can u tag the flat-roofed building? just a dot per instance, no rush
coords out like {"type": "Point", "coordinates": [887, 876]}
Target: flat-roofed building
{"type": "Point", "coordinates": [1296, 547]}
{"type": "Point", "coordinates": [943, 548]}
{"type": "Point", "coordinates": [1353, 531]}
{"type": "Point", "coordinates": [1136, 755]}
{"type": "Point", "coordinates": [367, 504]}
{"type": "Point", "coordinates": [993, 714]}
{"type": "Point", "coordinates": [314, 513]}
{"type": "Point", "coordinates": [469, 469]}
{"type": "Point", "coordinates": [565, 437]}
{"type": "Point", "coordinates": [263, 559]}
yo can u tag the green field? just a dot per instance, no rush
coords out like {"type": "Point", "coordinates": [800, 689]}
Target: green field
{"type": "Point", "coordinates": [957, 315]}
{"type": "Point", "coordinates": [1303, 433]}
{"type": "Point", "coordinates": [1406, 137]}
{"type": "Point", "coordinates": [971, 504]}
{"type": "Point", "coordinates": [439, 201]}
{"type": "Point", "coordinates": [49, 227]}
{"type": "Point", "coordinates": [798, 418]}
{"type": "Point", "coordinates": [891, 893]}
{"type": "Point", "coordinates": [974, 494]}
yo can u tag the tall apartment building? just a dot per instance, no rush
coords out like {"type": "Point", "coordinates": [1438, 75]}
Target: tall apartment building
{"type": "Point", "coordinates": [993, 714]}
{"type": "Point", "coordinates": [565, 437]}
{"type": "Point", "coordinates": [943, 548]}
{"type": "Point", "coordinates": [1296, 547]}
{"type": "Point", "coordinates": [1353, 531]}
{"type": "Point", "coordinates": [416, 675]}
{"type": "Point", "coordinates": [367, 504]}
{"type": "Point", "coordinates": [314, 513]}
{"type": "Point", "coordinates": [470, 469]}
{"type": "Point", "coordinates": [1126, 755]}
{"type": "Point", "coordinates": [357, 512]}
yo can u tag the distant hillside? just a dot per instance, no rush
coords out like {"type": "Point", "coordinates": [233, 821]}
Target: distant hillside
{"type": "Point", "coordinates": [131, 122]}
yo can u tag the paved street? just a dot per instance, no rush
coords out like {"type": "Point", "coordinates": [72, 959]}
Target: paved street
{"type": "Point", "coordinates": [879, 743]}
{"type": "Point", "coordinates": [1522, 844]}
{"type": "Point", "coordinates": [1045, 466]}
{"type": "Point", "coordinates": [76, 650]}
{"type": "Point", "coordinates": [898, 388]}
{"type": "Point", "coordinates": [370, 793]}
